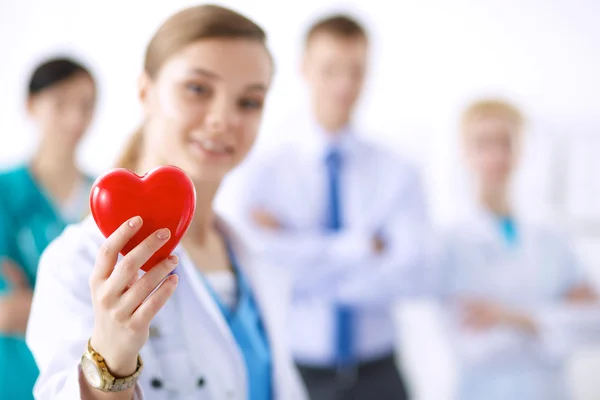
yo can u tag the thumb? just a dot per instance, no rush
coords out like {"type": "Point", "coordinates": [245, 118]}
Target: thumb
{"type": "Point", "coordinates": [14, 275]}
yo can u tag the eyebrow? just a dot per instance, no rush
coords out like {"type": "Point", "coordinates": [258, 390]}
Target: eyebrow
{"type": "Point", "coordinates": [209, 74]}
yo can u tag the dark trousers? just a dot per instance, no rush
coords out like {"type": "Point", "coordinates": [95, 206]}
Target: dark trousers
{"type": "Point", "coordinates": [373, 380]}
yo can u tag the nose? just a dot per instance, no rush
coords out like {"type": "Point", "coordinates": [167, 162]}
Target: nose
{"type": "Point", "coordinates": [221, 115]}
{"type": "Point", "coordinates": [74, 119]}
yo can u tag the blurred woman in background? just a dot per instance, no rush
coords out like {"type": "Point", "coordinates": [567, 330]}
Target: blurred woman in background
{"type": "Point", "coordinates": [37, 200]}
{"type": "Point", "coordinates": [513, 284]}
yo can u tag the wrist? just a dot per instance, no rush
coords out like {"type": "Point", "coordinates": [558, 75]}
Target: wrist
{"type": "Point", "coordinates": [121, 364]}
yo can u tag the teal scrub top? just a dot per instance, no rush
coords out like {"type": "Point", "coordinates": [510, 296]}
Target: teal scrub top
{"type": "Point", "coordinates": [247, 328]}
{"type": "Point", "coordinates": [29, 221]}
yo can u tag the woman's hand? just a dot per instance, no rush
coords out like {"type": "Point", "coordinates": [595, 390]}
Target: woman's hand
{"type": "Point", "coordinates": [266, 220]}
{"type": "Point", "coordinates": [124, 304]}
{"type": "Point", "coordinates": [16, 304]}
{"type": "Point", "coordinates": [481, 315]}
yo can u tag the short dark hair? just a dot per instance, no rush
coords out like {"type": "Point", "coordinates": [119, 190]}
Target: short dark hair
{"type": "Point", "coordinates": [340, 25]}
{"type": "Point", "coordinates": [53, 71]}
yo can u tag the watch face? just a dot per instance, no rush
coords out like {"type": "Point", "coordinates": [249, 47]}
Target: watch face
{"type": "Point", "coordinates": [91, 372]}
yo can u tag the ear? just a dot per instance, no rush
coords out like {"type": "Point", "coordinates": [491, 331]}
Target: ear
{"type": "Point", "coordinates": [144, 88]}
{"type": "Point", "coordinates": [29, 105]}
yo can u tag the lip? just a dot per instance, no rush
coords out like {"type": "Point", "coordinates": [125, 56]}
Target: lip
{"type": "Point", "coordinates": [211, 149]}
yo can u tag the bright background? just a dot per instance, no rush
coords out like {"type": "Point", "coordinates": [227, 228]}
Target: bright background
{"type": "Point", "coordinates": [429, 58]}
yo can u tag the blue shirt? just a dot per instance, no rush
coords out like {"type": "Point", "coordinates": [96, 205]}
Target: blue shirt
{"type": "Point", "coordinates": [29, 221]}
{"type": "Point", "coordinates": [247, 328]}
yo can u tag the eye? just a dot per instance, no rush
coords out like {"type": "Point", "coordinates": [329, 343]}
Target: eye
{"type": "Point", "coordinates": [251, 104]}
{"type": "Point", "coordinates": [196, 88]}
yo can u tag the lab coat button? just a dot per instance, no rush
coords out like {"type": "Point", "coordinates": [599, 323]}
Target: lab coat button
{"type": "Point", "coordinates": [201, 382]}
{"type": "Point", "coordinates": [156, 383]}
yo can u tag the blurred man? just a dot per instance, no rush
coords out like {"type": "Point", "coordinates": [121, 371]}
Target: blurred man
{"type": "Point", "coordinates": [348, 218]}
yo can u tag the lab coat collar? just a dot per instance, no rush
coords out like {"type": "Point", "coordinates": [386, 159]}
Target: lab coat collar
{"type": "Point", "coordinates": [483, 224]}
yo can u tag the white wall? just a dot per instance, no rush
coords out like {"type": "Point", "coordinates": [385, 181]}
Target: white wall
{"type": "Point", "coordinates": [429, 58]}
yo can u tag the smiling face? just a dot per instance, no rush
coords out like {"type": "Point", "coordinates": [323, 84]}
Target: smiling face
{"type": "Point", "coordinates": [492, 145]}
{"type": "Point", "coordinates": [204, 107]}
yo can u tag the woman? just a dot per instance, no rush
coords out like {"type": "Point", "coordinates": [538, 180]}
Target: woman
{"type": "Point", "coordinates": [214, 328]}
{"type": "Point", "coordinates": [515, 285]}
{"type": "Point", "coordinates": [38, 200]}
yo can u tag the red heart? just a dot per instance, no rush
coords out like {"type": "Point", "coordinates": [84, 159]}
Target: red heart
{"type": "Point", "coordinates": [165, 198]}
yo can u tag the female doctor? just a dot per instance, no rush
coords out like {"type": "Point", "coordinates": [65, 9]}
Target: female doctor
{"type": "Point", "coordinates": [37, 200]}
{"type": "Point", "coordinates": [517, 286]}
{"type": "Point", "coordinates": [213, 328]}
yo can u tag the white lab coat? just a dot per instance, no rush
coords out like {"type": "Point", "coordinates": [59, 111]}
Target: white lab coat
{"type": "Point", "coordinates": [190, 339]}
{"type": "Point", "coordinates": [532, 276]}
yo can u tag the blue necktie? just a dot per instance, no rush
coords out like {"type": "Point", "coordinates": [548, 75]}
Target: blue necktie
{"type": "Point", "coordinates": [343, 314]}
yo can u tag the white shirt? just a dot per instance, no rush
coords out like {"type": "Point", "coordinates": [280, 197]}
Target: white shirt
{"type": "Point", "coordinates": [224, 285]}
{"type": "Point", "coordinates": [532, 276]}
{"type": "Point", "coordinates": [379, 193]}
{"type": "Point", "coordinates": [189, 341]}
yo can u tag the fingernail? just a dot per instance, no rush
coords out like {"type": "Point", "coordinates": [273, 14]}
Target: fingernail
{"type": "Point", "coordinates": [173, 258]}
{"type": "Point", "coordinates": [134, 222]}
{"type": "Point", "coordinates": [162, 234]}
{"type": "Point", "coordinates": [173, 279]}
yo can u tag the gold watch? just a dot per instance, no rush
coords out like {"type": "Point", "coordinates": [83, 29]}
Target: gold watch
{"type": "Point", "coordinates": [96, 373]}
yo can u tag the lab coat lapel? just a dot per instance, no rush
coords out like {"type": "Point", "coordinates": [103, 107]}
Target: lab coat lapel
{"type": "Point", "coordinates": [271, 289]}
{"type": "Point", "coordinates": [191, 278]}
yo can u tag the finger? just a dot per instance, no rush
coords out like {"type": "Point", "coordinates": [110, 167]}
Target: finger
{"type": "Point", "coordinates": [132, 281]}
{"type": "Point", "coordinates": [130, 265]}
{"type": "Point", "coordinates": [152, 305]}
{"type": "Point", "coordinates": [15, 275]}
{"type": "Point", "coordinates": [109, 252]}
{"type": "Point", "coordinates": [144, 287]}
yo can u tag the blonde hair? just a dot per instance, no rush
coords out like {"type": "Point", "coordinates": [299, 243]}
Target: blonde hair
{"type": "Point", "coordinates": [492, 107]}
{"type": "Point", "coordinates": [180, 30]}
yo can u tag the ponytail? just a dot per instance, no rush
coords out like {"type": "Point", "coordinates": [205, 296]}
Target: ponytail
{"type": "Point", "coordinates": [130, 156]}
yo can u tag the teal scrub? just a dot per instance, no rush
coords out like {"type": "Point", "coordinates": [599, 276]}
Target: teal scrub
{"type": "Point", "coordinates": [247, 329]}
{"type": "Point", "coordinates": [29, 221]}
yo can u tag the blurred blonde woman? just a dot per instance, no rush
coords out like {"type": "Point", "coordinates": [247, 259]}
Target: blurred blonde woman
{"type": "Point", "coordinates": [514, 286]}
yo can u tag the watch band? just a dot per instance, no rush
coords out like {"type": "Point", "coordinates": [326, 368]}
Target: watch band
{"type": "Point", "coordinates": [110, 383]}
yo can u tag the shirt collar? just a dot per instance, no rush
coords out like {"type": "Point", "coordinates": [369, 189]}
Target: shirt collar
{"type": "Point", "coordinates": [318, 141]}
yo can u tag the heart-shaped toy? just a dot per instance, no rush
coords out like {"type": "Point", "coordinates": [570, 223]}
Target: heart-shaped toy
{"type": "Point", "coordinates": [165, 198]}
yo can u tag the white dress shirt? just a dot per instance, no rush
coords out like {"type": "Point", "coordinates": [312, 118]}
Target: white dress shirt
{"type": "Point", "coordinates": [380, 193]}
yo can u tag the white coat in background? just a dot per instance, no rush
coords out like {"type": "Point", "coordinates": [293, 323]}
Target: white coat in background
{"type": "Point", "coordinates": [190, 340]}
{"type": "Point", "coordinates": [533, 276]}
